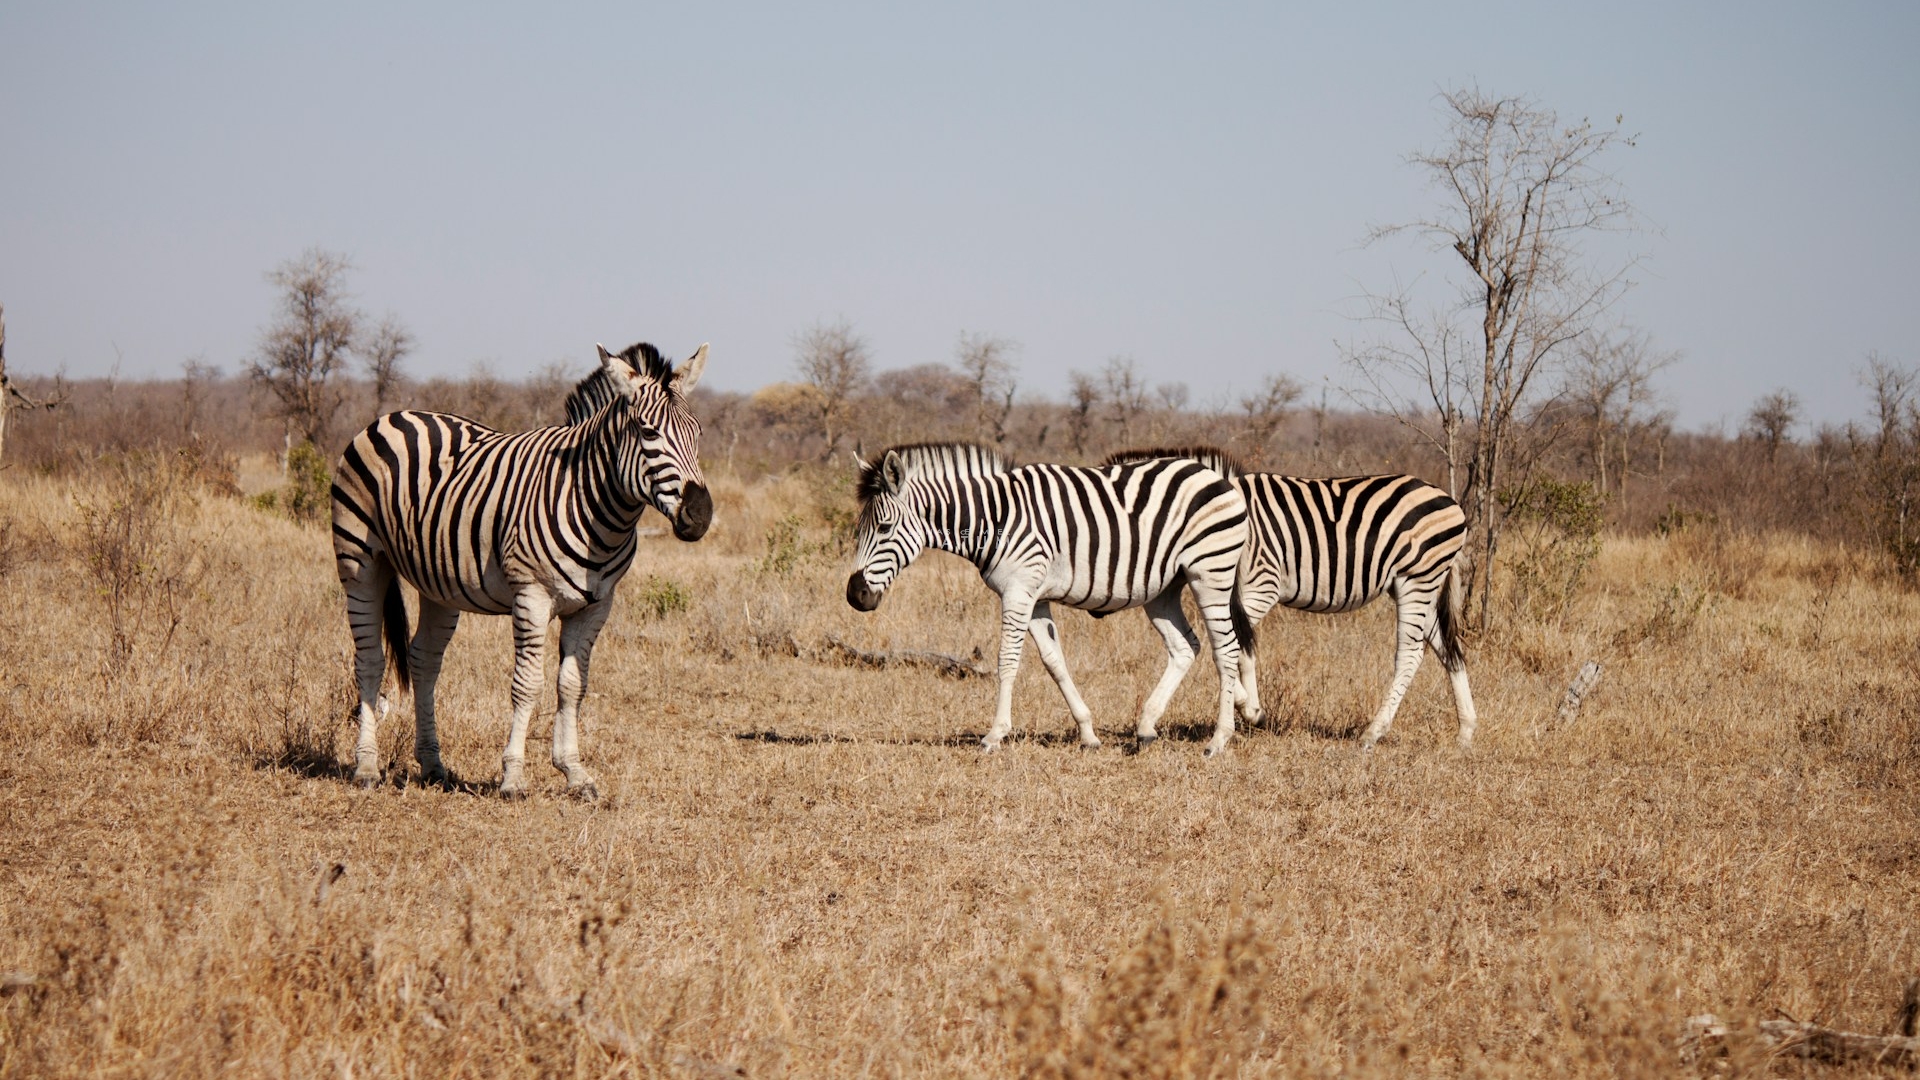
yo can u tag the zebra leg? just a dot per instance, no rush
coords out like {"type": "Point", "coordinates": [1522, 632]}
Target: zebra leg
{"type": "Point", "coordinates": [532, 611]}
{"type": "Point", "coordinates": [1016, 611]}
{"type": "Point", "coordinates": [1164, 613]}
{"type": "Point", "coordinates": [577, 634]}
{"type": "Point", "coordinates": [1417, 617]}
{"type": "Point", "coordinates": [1046, 640]}
{"type": "Point", "coordinates": [1456, 666]}
{"type": "Point", "coordinates": [1256, 605]}
{"type": "Point", "coordinates": [366, 585]}
{"type": "Point", "coordinates": [1216, 607]}
{"type": "Point", "coordinates": [437, 624]}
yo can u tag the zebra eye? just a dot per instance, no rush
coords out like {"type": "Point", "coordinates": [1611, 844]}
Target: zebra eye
{"type": "Point", "coordinates": [649, 433]}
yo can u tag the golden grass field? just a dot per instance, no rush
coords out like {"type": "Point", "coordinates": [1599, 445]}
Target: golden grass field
{"type": "Point", "coordinates": [802, 868]}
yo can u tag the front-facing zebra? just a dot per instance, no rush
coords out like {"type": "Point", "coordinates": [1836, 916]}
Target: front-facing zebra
{"type": "Point", "coordinates": [536, 524]}
{"type": "Point", "coordinates": [1100, 539]}
{"type": "Point", "coordinates": [1334, 545]}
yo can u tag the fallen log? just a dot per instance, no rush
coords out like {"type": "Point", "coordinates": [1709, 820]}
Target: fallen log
{"type": "Point", "coordinates": [951, 667]}
{"type": "Point", "coordinates": [1577, 691]}
{"type": "Point", "coordinates": [1816, 1042]}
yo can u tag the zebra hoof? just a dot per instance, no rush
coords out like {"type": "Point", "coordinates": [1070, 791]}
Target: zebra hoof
{"type": "Point", "coordinates": [1212, 752]}
{"type": "Point", "coordinates": [1141, 742]}
{"type": "Point", "coordinates": [1090, 745]}
{"type": "Point", "coordinates": [366, 783]}
{"type": "Point", "coordinates": [988, 746]}
{"type": "Point", "coordinates": [515, 793]}
{"type": "Point", "coordinates": [587, 792]}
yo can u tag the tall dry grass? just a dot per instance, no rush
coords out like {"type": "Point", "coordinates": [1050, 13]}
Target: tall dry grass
{"type": "Point", "coordinates": [802, 868]}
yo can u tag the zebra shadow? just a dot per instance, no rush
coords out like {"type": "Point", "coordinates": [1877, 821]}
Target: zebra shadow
{"type": "Point", "coordinates": [1314, 726]}
{"type": "Point", "coordinates": [310, 763]}
{"type": "Point", "coordinates": [965, 740]}
{"type": "Point", "coordinates": [307, 762]}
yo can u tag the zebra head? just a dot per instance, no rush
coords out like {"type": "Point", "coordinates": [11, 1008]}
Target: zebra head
{"type": "Point", "coordinates": [890, 534]}
{"type": "Point", "coordinates": [659, 456]}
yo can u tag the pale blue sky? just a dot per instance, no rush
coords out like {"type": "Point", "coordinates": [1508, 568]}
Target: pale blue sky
{"type": "Point", "coordinates": [1188, 188]}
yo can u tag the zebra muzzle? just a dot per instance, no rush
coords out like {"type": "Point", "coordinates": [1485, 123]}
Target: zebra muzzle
{"type": "Point", "coordinates": [696, 513]}
{"type": "Point", "coordinates": [862, 596]}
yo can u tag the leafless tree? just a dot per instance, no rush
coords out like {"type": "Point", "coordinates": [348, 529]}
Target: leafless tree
{"type": "Point", "coordinates": [1890, 457]}
{"type": "Point", "coordinates": [1609, 387]}
{"type": "Point", "coordinates": [987, 365]}
{"type": "Point", "coordinates": [12, 397]}
{"type": "Point", "coordinates": [835, 364]}
{"type": "Point", "coordinates": [1125, 394]}
{"type": "Point", "coordinates": [1083, 397]}
{"type": "Point", "coordinates": [1266, 407]}
{"type": "Point", "coordinates": [1520, 193]}
{"type": "Point", "coordinates": [383, 352]}
{"type": "Point", "coordinates": [197, 378]}
{"type": "Point", "coordinates": [1772, 418]}
{"type": "Point", "coordinates": [301, 353]}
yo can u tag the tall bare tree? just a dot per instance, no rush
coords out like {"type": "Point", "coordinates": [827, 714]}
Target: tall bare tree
{"type": "Point", "coordinates": [1125, 394]}
{"type": "Point", "coordinates": [384, 350]}
{"type": "Point", "coordinates": [1083, 397]}
{"type": "Point", "coordinates": [986, 363]}
{"type": "Point", "coordinates": [1520, 195]}
{"type": "Point", "coordinates": [1265, 408]}
{"type": "Point", "coordinates": [1772, 419]}
{"type": "Point", "coordinates": [836, 366]}
{"type": "Point", "coordinates": [1609, 386]}
{"type": "Point", "coordinates": [303, 351]}
{"type": "Point", "coordinates": [1890, 457]}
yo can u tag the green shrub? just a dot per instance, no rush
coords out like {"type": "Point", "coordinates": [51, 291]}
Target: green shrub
{"type": "Point", "coordinates": [660, 597]}
{"type": "Point", "coordinates": [1553, 529]}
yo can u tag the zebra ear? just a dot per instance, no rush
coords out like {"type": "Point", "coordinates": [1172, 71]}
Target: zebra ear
{"type": "Point", "coordinates": [617, 369]}
{"type": "Point", "coordinates": [685, 379]}
{"type": "Point", "coordinates": [892, 473]}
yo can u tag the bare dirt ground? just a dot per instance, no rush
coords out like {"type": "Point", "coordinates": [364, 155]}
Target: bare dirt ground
{"type": "Point", "coordinates": [805, 868]}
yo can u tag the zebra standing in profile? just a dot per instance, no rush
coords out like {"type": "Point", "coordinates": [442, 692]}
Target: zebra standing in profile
{"type": "Point", "coordinates": [536, 524]}
{"type": "Point", "coordinates": [1335, 545]}
{"type": "Point", "coordinates": [1099, 539]}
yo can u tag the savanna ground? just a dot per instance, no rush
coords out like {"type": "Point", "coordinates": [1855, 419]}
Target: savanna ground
{"type": "Point", "coordinates": [805, 868]}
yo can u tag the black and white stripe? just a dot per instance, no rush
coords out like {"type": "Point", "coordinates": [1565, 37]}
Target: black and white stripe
{"type": "Point", "coordinates": [535, 525]}
{"type": "Point", "coordinates": [1100, 539]}
{"type": "Point", "coordinates": [1337, 544]}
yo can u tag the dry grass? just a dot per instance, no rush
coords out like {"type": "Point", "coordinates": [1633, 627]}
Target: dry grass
{"type": "Point", "coordinates": [805, 869]}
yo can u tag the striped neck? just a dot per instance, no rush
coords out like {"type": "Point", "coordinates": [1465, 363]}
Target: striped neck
{"type": "Point", "coordinates": [606, 484]}
{"type": "Point", "coordinates": [962, 516]}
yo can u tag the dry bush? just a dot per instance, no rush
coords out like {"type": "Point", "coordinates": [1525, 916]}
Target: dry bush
{"type": "Point", "coordinates": [131, 536]}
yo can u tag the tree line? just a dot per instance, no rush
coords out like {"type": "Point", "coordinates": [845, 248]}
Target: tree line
{"type": "Point", "coordinates": [1507, 375]}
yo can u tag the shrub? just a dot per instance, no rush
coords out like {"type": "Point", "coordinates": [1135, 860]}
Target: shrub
{"type": "Point", "coordinates": [1554, 534]}
{"type": "Point", "coordinates": [785, 548]}
{"type": "Point", "coordinates": [660, 597]}
{"type": "Point", "coordinates": [131, 539]}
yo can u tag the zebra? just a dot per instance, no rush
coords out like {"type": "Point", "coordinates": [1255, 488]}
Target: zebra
{"type": "Point", "coordinates": [1337, 544]}
{"type": "Point", "coordinates": [534, 525]}
{"type": "Point", "coordinates": [1099, 539]}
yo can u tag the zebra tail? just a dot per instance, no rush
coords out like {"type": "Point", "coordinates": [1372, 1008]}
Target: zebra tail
{"type": "Point", "coordinates": [1242, 626]}
{"type": "Point", "coordinates": [395, 620]}
{"type": "Point", "coordinates": [1449, 620]}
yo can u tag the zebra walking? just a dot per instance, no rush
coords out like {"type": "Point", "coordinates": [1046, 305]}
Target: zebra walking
{"type": "Point", "coordinates": [1100, 539]}
{"type": "Point", "coordinates": [1335, 545]}
{"type": "Point", "coordinates": [535, 525]}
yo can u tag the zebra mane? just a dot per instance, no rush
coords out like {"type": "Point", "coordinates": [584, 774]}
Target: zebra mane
{"type": "Point", "coordinates": [1211, 456]}
{"type": "Point", "coordinates": [594, 391]}
{"type": "Point", "coordinates": [919, 460]}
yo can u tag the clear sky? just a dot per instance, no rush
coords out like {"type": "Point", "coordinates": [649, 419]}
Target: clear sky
{"type": "Point", "coordinates": [1186, 187]}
